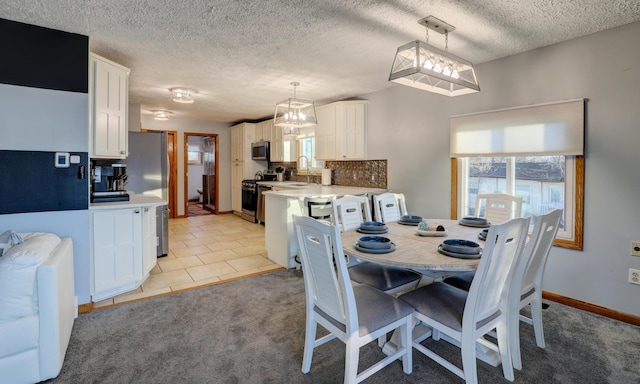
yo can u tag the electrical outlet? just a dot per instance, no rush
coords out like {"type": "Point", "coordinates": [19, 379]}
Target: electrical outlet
{"type": "Point", "coordinates": [635, 248]}
{"type": "Point", "coordinates": [634, 276]}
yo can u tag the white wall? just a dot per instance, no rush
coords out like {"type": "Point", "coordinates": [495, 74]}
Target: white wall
{"type": "Point", "coordinates": [35, 119]}
{"type": "Point", "coordinates": [224, 153]}
{"type": "Point", "coordinates": [195, 170]}
{"type": "Point", "coordinates": [410, 128]}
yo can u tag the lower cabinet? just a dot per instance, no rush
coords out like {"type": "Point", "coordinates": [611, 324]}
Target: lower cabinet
{"type": "Point", "coordinates": [122, 243]}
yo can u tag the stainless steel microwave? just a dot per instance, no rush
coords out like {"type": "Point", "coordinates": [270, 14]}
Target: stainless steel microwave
{"type": "Point", "coordinates": [260, 151]}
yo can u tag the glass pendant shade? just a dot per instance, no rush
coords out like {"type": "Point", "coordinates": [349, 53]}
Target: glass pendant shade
{"type": "Point", "coordinates": [420, 65]}
{"type": "Point", "coordinates": [161, 115]}
{"type": "Point", "coordinates": [295, 112]}
{"type": "Point", "coordinates": [183, 95]}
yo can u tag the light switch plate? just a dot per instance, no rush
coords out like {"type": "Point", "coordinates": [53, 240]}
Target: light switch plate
{"type": "Point", "coordinates": [635, 248]}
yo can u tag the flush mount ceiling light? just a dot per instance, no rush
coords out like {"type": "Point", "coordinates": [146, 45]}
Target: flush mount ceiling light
{"type": "Point", "coordinates": [183, 95]}
{"type": "Point", "coordinates": [294, 112]}
{"type": "Point", "coordinates": [161, 115]}
{"type": "Point", "coordinates": [420, 65]}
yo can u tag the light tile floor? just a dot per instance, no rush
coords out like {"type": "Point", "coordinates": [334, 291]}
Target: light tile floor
{"type": "Point", "coordinates": [203, 250]}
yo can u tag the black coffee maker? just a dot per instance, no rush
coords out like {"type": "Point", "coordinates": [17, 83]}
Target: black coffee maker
{"type": "Point", "coordinates": [108, 183]}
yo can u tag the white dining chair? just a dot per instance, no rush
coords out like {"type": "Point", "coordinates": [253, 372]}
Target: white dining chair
{"type": "Point", "coordinates": [465, 317]}
{"type": "Point", "coordinates": [349, 212]}
{"type": "Point", "coordinates": [528, 276]}
{"type": "Point", "coordinates": [498, 207]}
{"type": "Point", "coordinates": [357, 315]}
{"type": "Point", "coordinates": [530, 272]}
{"type": "Point", "coordinates": [389, 207]}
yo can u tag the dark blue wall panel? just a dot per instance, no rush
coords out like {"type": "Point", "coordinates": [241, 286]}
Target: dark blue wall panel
{"type": "Point", "coordinates": [40, 57]}
{"type": "Point", "coordinates": [31, 183]}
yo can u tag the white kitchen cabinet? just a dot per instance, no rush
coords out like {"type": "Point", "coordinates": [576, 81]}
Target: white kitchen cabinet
{"type": "Point", "coordinates": [242, 135]}
{"type": "Point", "coordinates": [242, 167]}
{"type": "Point", "coordinates": [277, 144]}
{"type": "Point", "coordinates": [263, 130]}
{"type": "Point", "coordinates": [325, 132]}
{"type": "Point", "coordinates": [108, 108]}
{"type": "Point", "coordinates": [150, 240]}
{"type": "Point", "coordinates": [237, 143]}
{"type": "Point", "coordinates": [116, 247]}
{"type": "Point", "coordinates": [237, 175]}
{"type": "Point", "coordinates": [341, 131]}
{"type": "Point", "coordinates": [266, 131]}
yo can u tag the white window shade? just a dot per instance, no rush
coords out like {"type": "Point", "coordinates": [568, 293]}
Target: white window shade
{"type": "Point", "coordinates": [549, 129]}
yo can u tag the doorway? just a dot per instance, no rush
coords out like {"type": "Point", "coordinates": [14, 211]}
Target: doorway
{"type": "Point", "coordinates": [201, 173]}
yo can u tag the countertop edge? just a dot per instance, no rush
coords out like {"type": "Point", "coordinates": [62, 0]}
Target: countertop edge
{"type": "Point", "coordinates": [134, 201]}
{"type": "Point", "coordinates": [324, 190]}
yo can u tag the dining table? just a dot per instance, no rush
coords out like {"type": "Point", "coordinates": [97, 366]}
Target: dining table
{"type": "Point", "coordinates": [418, 252]}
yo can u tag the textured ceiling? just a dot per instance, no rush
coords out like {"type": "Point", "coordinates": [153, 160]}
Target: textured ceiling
{"type": "Point", "coordinates": [242, 55]}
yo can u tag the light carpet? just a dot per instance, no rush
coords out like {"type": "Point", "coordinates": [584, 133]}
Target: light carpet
{"type": "Point", "coordinates": [251, 330]}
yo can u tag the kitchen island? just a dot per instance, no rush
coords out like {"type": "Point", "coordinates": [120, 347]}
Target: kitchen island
{"type": "Point", "coordinates": [285, 201]}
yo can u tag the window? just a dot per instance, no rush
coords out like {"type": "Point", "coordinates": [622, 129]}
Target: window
{"type": "Point", "coordinates": [545, 183]}
{"type": "Point", "coordinates": [536, 152]}
{"type": "Point", "coordinates": [307, 148]}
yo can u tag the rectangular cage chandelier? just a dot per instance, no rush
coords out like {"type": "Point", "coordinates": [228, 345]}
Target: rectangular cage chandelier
{"type": "Point", "coordinates": [295, 113]}
{"type": "Point", "coordinates": [420, 65]}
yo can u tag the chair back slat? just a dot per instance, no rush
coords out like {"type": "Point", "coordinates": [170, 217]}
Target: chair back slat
{"type": "Point", "coordinates": [504, 245]}
{"type": "Point", "coordinates": [349, 211]}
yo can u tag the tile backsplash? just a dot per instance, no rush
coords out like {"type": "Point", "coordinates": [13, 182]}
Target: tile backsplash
{"type": "Point", "coordinates": [360, 173]}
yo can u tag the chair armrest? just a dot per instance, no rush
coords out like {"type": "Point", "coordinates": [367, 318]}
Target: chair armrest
{"type": "Point", "coordinates": [56, 307]}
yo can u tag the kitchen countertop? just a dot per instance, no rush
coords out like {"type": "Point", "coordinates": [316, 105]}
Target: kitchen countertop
{"type": "Point", "coordinates": [297, 189]}
{"type": "Point", "coordinates": [134, 201]}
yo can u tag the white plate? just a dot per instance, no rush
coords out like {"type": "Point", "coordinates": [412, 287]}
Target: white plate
{"type": "Point", "coordinates": [433, 233]}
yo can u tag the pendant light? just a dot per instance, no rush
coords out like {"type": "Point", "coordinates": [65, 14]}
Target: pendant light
{"type": "Point", "coordinates": [294, 112]}
{"type": "Point", "coordinates": [420, 65]}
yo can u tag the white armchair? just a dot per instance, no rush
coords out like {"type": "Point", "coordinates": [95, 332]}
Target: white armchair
{"type": "Point", "coordinates": [34, 345]}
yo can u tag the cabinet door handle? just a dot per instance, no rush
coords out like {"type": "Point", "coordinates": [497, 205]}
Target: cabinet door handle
{"type": "Point", "coordinates": [137, 211]}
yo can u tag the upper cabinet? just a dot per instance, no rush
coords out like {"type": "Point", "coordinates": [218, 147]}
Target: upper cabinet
{"type": "Point", "coordinates": [108, 108]}
{"type": "Point", "coordinates": [277, 144]}
{"type": "Point", "coordinates": [263, 130]}
{"type": "Point", "coordinates": [266, 131]}
{"type": "Point", "coordinates": [242, 135]}
{"type": "Point", "coordinates": [341, 131]}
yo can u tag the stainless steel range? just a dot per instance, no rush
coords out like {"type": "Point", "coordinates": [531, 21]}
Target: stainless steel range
{"type": "Point", "coordinates": [249, 200]}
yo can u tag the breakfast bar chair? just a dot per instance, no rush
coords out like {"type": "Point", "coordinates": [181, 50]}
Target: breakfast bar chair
{"type": "Point", "coordinates": [498, 207]}
{"type": "Point", "coordinates": [466, 317]}
{"type": "Point", "coordinates": [319, 208]}
{"type": "Point", "coordinates": [348, 213]}
{"type": "Point", "coordinates": [357, 315]}
{"type": "Point", "coordinates": [389, 207]}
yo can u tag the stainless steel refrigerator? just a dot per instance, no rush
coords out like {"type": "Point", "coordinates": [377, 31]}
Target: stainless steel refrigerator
{"type": "Point", "coordinates": [148, 174]}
